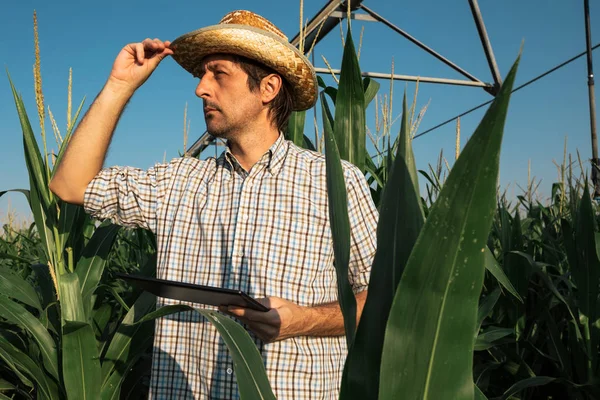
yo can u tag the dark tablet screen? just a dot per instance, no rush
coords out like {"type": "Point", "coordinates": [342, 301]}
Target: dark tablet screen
{"type": "Point", "coordinates": [195, 293]}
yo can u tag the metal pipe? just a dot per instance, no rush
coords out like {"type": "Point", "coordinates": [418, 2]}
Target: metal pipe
{"type": "Point", "coordinates": [421, 45]}
{"type": "Point", "coordinates": [592, 101]}
{"type": "Point", "coordinates": [487, 46]}
{"type": "Point", "coordinates": [323, 17]}
{"type": "Point", "coordinates": [421, 79]}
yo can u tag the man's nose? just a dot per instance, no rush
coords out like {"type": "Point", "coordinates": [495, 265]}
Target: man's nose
{"type": "Point", "coordinates": [202, 88]}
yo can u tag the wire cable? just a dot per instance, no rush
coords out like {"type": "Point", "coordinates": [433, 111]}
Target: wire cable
{"type": "Point", "coordinates": [537, 78]}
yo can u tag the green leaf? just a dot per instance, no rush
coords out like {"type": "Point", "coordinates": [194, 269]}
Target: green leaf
{"type": "Point", "coordinates": [93, 260]}
{"type": "Point", "coordinates": [6, 385]}
{"type": "Point", "coordinates": [492, 266]}
{"type": "Point", "coordinates": [8, 361]}
{"type": "Point", "coordinates": [13, 286]}
{"type": "Point", "coordinates": [586, 272]}
{"type": "Point", "coordinates": [428, 348]}
{"type": "Point", "coordinates": [33, 158]}
{"type": "Point", "coordinates": [371, 88]}
{"type": "Point", "coordinates": [45, 285]}
{"type": "Point", "coordinates": [295, 131]}
{"type": "Point", "coordinates": [23, 363]}
{"type": "Point", "coordinates": [70, 221]}
{"type": "Point", "coordinates": [527, 383]}
{"type": "Point", "coordinates": [486, 306]}
{"type": "Point", "coordinates": [487, 339]}
{"type": "Point", "coordinates": [25, 192]}
{"type": "Point", "coordinates": [71, 305]}
{"type": "Point", "coordinates": [249, 369]}
{"type": "Point", "coordinates": [67, 137]}
{"type": "Point", "coordinates": [18, 315]}
{"type": "Point", "coordinates": [479, 394]}
{"type": "Point", "coordinates": [81, 364]}
{"type": "Point", "coordinates": [340, 226]}
{"type": "Point", "coordinates": [118, 351]}
{"type": "Point", "coordinates": [556, 345]}
{"type": "Point", "coordinates": [308, 144]}
{"type": "Point", "coordinates": [80, 358]}
{"type": "Point", "coordinates": [350, 125]}
{"type": "Point", "coordinates": [400, 222]}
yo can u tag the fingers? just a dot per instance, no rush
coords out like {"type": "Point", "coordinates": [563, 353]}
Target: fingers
{"type": "Point", "coordinates": [269, 317]}
{"type": "Point", "coordinates": [150, 49]}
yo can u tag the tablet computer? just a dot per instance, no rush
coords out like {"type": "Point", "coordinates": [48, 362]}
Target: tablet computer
{"type": "Point", "coordinates": [209, 295]}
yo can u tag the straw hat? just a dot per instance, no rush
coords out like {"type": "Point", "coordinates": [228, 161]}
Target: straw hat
{"type": "Point", "coordinates": [247, 34]}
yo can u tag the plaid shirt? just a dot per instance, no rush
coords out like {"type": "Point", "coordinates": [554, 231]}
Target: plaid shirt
{"type": "Point", "coordinates": [265, 232]}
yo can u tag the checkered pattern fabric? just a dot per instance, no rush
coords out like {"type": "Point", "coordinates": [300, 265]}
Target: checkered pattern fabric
{"type": "Point", "coordinates": [265, 232]}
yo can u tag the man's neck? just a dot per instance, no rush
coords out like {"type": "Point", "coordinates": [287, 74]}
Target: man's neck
{"type": "Point", "coordinates": [250, 147]}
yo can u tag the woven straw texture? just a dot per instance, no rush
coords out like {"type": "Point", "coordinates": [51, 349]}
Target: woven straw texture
{"type": "Point", "coordinates": [250, 35]}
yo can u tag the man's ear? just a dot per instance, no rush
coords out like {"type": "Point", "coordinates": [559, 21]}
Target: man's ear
{"type": "Point", "coordinates": [270, 87]}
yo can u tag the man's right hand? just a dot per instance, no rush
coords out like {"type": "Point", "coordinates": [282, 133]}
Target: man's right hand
{"type": "Point", "coordinates": [136, 62]}
{"type": "Point", "coordinates": [87, 147]}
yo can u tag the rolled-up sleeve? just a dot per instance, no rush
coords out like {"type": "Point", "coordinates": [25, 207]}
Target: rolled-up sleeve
{"type": "Point", "coordinates": [128, 196]}
{"type": "Point", "coordinates": [363, 218]}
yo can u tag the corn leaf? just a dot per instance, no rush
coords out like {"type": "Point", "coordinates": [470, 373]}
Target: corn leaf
{"type": "Point", "coordinates": [428, 348]}
{"type": "Point", "coordinates": [249, 369]}
{"type": "Point", "coordinates": [340, 225]}
{"type": "Point", "coordinates": [371, 87]}
{"type": "Point", "coordinates": [479, 394]}
{"type": "Point", "coordinates": [80, 358]}
{"type": "Point", "coordinates": [46, 386]}
{"type": "Point", "coordinates": [586, 272]}
{"type": "Point", "coordinates": [33, 158]}
{"type": "Point", "coordinates": [250, 372]}
{"type": "Point", "coordinates": [5, 356]}
{"type": "Point", "coordinates": [486, 306]}
{"type": "Point", "coordinates": [487, 339]}
{"type": "Point", "coordinates": [119, 349]}
{"type": "Point", "coordinates": [18, 315]}
{"type": "Point", "coordinates": [400, 221]}
{"type": "Point", "coordinates": [556, 345]}
{"type": "Point", "coordinates": [13, 286]}
{"type": "Point", "coordinates": [491, 265]}
{"type": "Point", "coordinates": [525, 384]}
{"type": "Point", "coordinates": [81, 365]}
{"type": "Point", "coordinates": [295, 131]}
{"type": "Point", "coordinates": [350, 126]}
{"type": "Point", "coordinates": [67, 137]}
{"type": "Point", "coordinates": [70, 222]}
{"type": "Point", "coordinates": [93, 260]}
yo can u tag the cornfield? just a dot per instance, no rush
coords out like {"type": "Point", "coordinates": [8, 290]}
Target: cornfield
{"type": "Point", "coordinates": [471, 296]}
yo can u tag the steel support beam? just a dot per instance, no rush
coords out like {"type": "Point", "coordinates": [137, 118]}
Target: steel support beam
{"type": "Point", "coordinates": [421, 45]}
{"type": "Point", "coordinates": [423, 79]}
{"type": "Point", "coordinates": [592, 101]}
{"type": "Point", "coordinates": [314, 31]}
{"type": "Point", "coordinates": [487, 46]}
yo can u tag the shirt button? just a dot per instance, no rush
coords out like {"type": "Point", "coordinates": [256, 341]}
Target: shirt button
{"type": "Point", "coordinates": [240, 253]}
{"type": "Point", "coordinates": [229, 371]}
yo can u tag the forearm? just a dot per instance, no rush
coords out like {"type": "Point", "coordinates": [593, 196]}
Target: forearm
{"type": "Point", "coordinates": [89, 144]}
{"type": "Point", "coordinates": [327, 319]}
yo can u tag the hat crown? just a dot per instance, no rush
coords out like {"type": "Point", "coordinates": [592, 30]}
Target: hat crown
{"type": "Point", "coordinates": [244, 17]}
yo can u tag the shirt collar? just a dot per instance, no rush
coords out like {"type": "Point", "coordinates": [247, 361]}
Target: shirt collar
{"type": "Point", "coordinates": [272, 159]}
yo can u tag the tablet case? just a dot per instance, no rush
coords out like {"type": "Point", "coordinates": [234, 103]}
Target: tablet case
{"type": "Point", "coordinates": [194, 293]}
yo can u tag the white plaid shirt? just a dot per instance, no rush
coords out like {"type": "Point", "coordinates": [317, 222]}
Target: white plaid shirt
{"type": "Point", "coordinates": [265, 232]}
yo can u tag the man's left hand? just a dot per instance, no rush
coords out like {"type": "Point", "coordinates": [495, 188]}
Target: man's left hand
{"type": "Point", "coordinates": [284, 319]}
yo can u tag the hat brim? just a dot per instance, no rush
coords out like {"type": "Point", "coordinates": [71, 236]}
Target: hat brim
{"type": "Point", "coordinates": [257, 44]}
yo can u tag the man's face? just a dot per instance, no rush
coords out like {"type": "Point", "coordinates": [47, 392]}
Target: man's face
{"type": "Point", "coordinates": [229, 105]}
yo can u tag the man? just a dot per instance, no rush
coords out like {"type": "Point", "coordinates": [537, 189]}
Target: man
{"type": "Point", "coordinates": [254, 219]}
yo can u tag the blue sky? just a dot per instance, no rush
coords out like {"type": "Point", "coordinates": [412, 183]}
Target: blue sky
{"type": "Point", "coordinates": [86, 36]}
